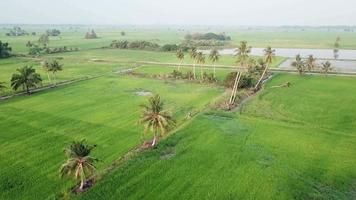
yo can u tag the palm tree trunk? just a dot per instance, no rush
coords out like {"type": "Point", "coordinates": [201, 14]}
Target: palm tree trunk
{"type": "Point", "coordinates": [180, 64]}
{"type": "Point", "coordinates": [195, 77]}
{"type": "Point", "coordinates": [214, 70]}
{"type": "Point", "coordinates": [263, 75]}
{"type": "Point", "coordinates": [81, 184]}
{"type": "Point", "coordinates": [234, 88]}
{"type": "Point", "coordinates": [154, 140]}
{"type": "Point", "coordinates": [49, 79]}
{"type": "Point", "coordinates": [27, 89]}
{"type": "Point", "coordinates": [201, 71]}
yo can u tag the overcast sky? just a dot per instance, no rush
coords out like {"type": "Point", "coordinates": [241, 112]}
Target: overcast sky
{"type": "Point", "coordinates": [180, 12]}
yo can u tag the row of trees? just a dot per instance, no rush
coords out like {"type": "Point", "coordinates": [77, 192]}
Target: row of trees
{"type": "Point", "coordinates": [310, 64]}
{"type": "Point", "coordinates": [81, 165]}
{"type": "Point", "coordinates": [27, 77]}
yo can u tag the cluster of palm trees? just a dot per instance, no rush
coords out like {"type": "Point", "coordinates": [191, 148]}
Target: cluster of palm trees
{"type": "Point", "coordinates": [199, 58]}
{"type": "Point", "coordinates": [310, 65]}
{"type": "Point", "coordinates": [27, 77]}
{"type": "Point", "coordinates": [52, 66]}
{"type": "Point", "coordinates": [81, 166]}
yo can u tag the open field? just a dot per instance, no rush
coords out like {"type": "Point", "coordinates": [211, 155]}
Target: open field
{"type": "Point", "coordinates": [95, 62]}
{"type": "Point", "coordinates": [287, 143]}
{"type": "Point", "coordinates": [104, 111]}
{"type": "Point", "coordinates": [257, 37]}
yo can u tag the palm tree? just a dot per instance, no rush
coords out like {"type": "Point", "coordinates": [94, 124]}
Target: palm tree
{"type": "Point", "coordinates": [27, 78]}
{"type": "Point", "coordinates": [180, 56]}
{"type": "Point", "coordinates": [243, 59]}
{"type": "Point", "coordinates": [299, 64]}
{"type": "Point", "coordinates": [155, 118]}
{"type": "Point", "coordinates": [54, 68]}
{"type": "Point", "coordinates": [269, 57]}
{"type": "Point", "coordinates": [193, 54]}
{"type": "Point", "coordinates": [214, 57]}
{"type": "Point", "coordinates": [80, 164]}
{"type": "Point", "coordinates": [201, 60]}
{"type": "Point", "coordinates": [326, 67]}
{"type": "Point", "coordinates": [311, 63]}
{"type": "Point", "coordinates": [46, 67]}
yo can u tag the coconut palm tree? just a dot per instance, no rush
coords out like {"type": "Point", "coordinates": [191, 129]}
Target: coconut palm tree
{"type": "Point", "coordinates": [80, 164]}
{"type": "Point", "coordinates": [201, 60]}
{"type": "Point", "coordinates": [193, 54]}
{"type": "Point", "coordinates": [47, 68]}
{"type": "Point", "coordinates": [299, 64]}
{"type": "Point", "coordinates": [180, 56]}
{"type": "Point", "coordinates": [155, 118]}
{"type": "Point", "coordinates": [214, 57]}
{"type": "Point", "coordinates": [326, 67]}
{"type": "Point", "coordinates": [54, 68]}
{"type": "Point", "coordinates": [269, 57]}
{"type": "Point", "coordinates": [27, 78]}
{"type": "Point", "coordinates": [311, 63]}
{"type": "Point", "coordinates": [243, 59]}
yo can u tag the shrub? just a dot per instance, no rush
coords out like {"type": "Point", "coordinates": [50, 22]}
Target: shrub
{"type": "Point", "coordinates": [169, 47]}
{"type": "Point", "coordinates": [91, 35]}
{"type": "Point", "coordinates": [207, 36]}
{"type": "Point", "coordinates": [5, 50]}
{"type": "Point", "coordinates": [177, 74]}
{"type": "Point", "coordinates": [53, 32]}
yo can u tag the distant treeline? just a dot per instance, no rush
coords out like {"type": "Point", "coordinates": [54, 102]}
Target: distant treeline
{"type": "Point", "coordinates": [53, 32]}
{"type": "Point", "coordinates": [207, 36]}
{"type": "Point", "coordinates": [18, 31]}
{"type": "Point", "coordinates": [151, 46]}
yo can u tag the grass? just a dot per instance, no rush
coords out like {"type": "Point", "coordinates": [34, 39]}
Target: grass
{"type": "Point", "coordinates": [287, 143]}
{"type": "Point", "coordinates": [104, 111]}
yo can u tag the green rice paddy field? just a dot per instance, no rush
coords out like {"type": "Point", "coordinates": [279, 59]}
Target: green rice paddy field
{"type": "Point", "coordinates": [286, 143]}
{"type": "Point", "coordinates": [104, 111]}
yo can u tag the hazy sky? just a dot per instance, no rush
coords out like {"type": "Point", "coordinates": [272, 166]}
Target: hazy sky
{"type": "Point", "coordinates": [185, 12]}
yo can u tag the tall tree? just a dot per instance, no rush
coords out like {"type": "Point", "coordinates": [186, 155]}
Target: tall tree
{"type": "Point", "coordinates": [25, 78]}
{"type": "Point", "coordinates": [311, 63]}
{"type": "Point", "coordinates": [201, 60]}
{"type": "Point", "coordinates": [44, 39]}
{"type": "Point", "coordinates": [180, 56]}
{"type": "Point", "coordinates": [326, 67]}
{"type": "Point", "coordinates": [55, 66]}
{"type": "Point", "coordinates": [80, 164]}
{"type": "Point", "coordinates": [214, 57]}
{"type": "Point", "coordinates": [47, 68]}
{"type": "Point", "coordinates": [243, 58]}
{"type": "Point", "coordinates": [299, 64]}
{"type": "Point", "coordinates": [193, 54]}
{"type": "Point", "coordinates": [269, 57]}
{"type": "Point", "coordinates": [5, 50]}
{"type": "Point", "coordinates": [155, 118]}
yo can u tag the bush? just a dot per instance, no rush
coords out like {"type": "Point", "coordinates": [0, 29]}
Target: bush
{"type": "Point", "coordinates": [209, 78]}
{"type": "Point", "coordinates": [53, 32]}
{"type": "Point", "coordinates": [169, 47]}
{"type": "Point", "coordinates": [177, 74]}
{"type": "Point", "coordinates": [91, 35]}
{"type": "Point", "coordinates": [5, 50]}
{"type": "Point", "coordinates": [246, 81]}
{"type": "Point", "coordinates": [17, 31]}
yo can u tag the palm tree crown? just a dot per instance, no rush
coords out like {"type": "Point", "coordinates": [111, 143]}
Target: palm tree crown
{"type": "Point", "coordinates": [214, 57]}
{"type": "Point", "coordinates": [79, 164]}
{"type": "Point", "coordinates": [27, 78]}
{"type": "Point", "coordinates": [269, 55]}
{"type": "Point", "coordinates": [155, 118]}
{"type": "Point", "coordinates": [242, 53]}
{"type": "Point", "coordinates": [180, 56]}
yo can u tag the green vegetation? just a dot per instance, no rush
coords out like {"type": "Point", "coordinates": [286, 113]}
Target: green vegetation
{"type": "Point", "coordinates": [5, 50]}
{"type": "Point", "coordinates": [26, 78]}
{"type": "Point", "coordinates": [279, 147]}
{"type": "Point", "coordinates": [104, 111]}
